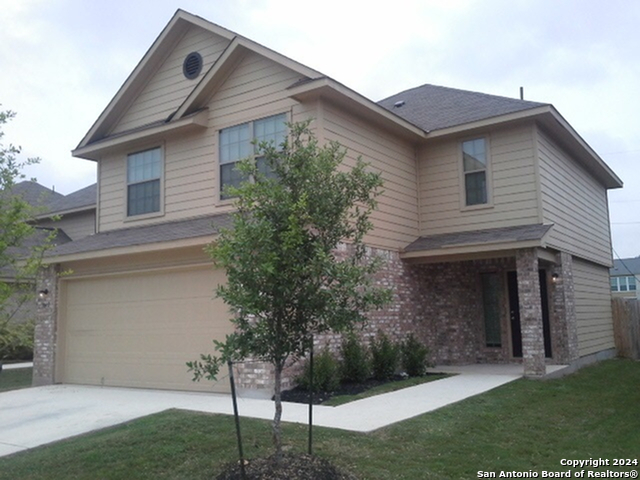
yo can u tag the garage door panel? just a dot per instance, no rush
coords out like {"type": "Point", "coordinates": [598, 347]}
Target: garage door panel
{"type": "Point", "coordinates": [141, 329]}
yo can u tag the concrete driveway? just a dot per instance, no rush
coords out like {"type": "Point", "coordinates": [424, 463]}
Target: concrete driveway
{"type": "Point", "coordinates": [36, 416]}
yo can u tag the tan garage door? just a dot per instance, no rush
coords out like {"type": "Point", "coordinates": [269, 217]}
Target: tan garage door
{"type": "Point", "coordinates": [139, 330]}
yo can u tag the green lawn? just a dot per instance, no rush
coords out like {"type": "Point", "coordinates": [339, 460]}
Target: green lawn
{"type": "Point", "coordinates": [15, 378]}
{"type": "Point", "coordinates": [522, 426]}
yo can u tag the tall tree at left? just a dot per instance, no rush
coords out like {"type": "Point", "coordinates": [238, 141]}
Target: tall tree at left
{"type": "Point", "coordinates": [21, 245]}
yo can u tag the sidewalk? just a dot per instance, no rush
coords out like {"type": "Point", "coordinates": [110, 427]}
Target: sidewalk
{"type": "Point", "coordinates": [35, 416]}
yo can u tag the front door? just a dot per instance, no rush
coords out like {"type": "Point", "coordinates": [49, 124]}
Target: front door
{"type": "Point", "coordinates": [514, 314]}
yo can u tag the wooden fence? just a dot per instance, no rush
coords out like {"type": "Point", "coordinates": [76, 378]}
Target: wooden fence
{"type": "Point", "coordinates": [626, 327]}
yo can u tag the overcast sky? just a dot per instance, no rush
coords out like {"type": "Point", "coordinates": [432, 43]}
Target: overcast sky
{"type": "Point", "coordinates": [61, 62]}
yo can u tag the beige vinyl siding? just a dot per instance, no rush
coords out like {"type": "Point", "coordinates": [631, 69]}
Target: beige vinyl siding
{"type": "Point", "coordinates": [168, 88]}
{"type": "Point", "coordinates": [396, 220]}
{"type": "Point", "coordinates": [575, 203]}
{"type": "Point", "coordinates": [75, 225]}
{"type": "Point", "coordinates": [513, 196]}
{"type": "Point", "coordinates": [256, 89]}
{"type": "Point", "coordinates": [593, 307]}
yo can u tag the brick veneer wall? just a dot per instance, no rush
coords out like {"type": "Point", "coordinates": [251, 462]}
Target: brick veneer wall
{"type": "Point", "coordinates": [44, 345]}
{"type": "Point", "coordinates": [530, 313]}
{"type": "Point", "coordinates": [441, 303]}
{"type": "Point", "coordinates": [563, 315]}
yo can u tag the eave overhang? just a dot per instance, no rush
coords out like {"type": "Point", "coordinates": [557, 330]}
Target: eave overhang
{"type": "Point", "coordinates": [196, 121]}
{"type": "Point", "coordinates": [132, 250]}
{"type": "Point", "coordinates": [549, 119]}
{"type": "Point", "coordinates": [69, 211]}
{"type": "Point", "coordinates": [328, 89]}
{"type": "Point", "coordinates": [490, 243]}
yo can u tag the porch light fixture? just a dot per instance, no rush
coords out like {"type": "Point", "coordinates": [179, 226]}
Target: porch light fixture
{"type": "Point", "coordinates": [42, 294]}
{"type": "Point", "coordinates": [555, 277]}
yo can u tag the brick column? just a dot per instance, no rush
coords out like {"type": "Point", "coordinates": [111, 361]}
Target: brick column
{"type": "Point", "coordinates": [564, 327]}
{"type": "Point", "coordinates": [530, 313]}
{"type": "Point", "coordinates": [44, 345]}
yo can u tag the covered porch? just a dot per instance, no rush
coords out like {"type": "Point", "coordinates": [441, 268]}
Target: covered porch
{"type": "Point", "coordinates": [495, 297]}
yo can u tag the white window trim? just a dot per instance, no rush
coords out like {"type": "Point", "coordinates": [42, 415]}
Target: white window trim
{"type": "Point", "coordinates": [222, 202]}
{"type": "Point", "coordinates": [626, 283]}
{"type": "Point", "coordinates": [144, 216]}
{"type": "Point", "coordinates": [462, 174]}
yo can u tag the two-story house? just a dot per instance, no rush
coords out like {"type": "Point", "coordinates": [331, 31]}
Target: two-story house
{"type": "Point", "coordinates": [493, 223]}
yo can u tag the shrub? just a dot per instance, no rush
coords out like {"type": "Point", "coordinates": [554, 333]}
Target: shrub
{"type": "Point", "coordinates": [16, 341]}
{"type": "Point", "coordinates": [354, 367]}
{"type": "Point", "coordinates": [414, 357]}
{"type": "Point", "coordinates": [326, 376]}
{"type": "Point", "coordinates": [384, 357]}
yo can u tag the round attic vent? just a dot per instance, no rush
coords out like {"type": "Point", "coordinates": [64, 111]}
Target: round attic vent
{"type": "Point", "coordinates": [192, 65]}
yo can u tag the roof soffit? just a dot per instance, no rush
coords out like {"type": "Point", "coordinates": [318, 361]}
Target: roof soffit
{"type": "Point", "coordinates": [568, 138]}
{"type": "Point", "coordinates": [553, 123]}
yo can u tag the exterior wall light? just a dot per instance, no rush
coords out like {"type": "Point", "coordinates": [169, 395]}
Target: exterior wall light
{"type": "Point", "coordinates": [555, 277]}
{"type": "Point", "coordinates": [42, 294]}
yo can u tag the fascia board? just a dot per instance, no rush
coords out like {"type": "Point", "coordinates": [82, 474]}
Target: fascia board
{"type": "Point", "coordinates": [131, 250]}
{"type": "Point", "coordinates": [331, 90]}
{"type": "Point", "coordinates": [138, 77]}
{"type": "Point", "coordinates": [230, 58]}
{"type": "Point", "coordinates": [93, 151]}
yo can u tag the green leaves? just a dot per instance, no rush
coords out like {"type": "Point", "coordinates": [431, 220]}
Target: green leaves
{"type": "Point", "coordinates": [287, 276]}
{"type": "Point", "coordinates": [21, 244]}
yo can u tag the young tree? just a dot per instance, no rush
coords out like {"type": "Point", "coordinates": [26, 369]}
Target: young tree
{"type": "Point", "coordinates": [286, 280]}
{"type": "Point", "coordinates": [21, 245]}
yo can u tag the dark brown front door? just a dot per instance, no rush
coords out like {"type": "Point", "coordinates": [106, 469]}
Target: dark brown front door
{"type": "Point", "coordinates": [514, 314]}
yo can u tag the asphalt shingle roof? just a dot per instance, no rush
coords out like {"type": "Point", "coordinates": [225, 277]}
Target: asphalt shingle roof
{"type": "Point", "coordinates": [85, 197]}
{"type": "Point", "coordinates": [623, 265]}
{"type": "Point", "coordinates": [162, 232]}
{"type": "Point", "coordinates": [35, 194]}
{"type": "Point", "coordinates": [38, 238]}
{"type": "Point", "coordinates": [507, 234]}
{"type": "Point", "coordinates": [430, 107]}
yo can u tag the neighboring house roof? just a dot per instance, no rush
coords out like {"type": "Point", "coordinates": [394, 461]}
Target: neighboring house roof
{"type": "Point", "coordinates": [524, 233]}
{"type": "Point", "coordinates": [431, 107]}
{"type": "Point", "coordinates": [625, 266]}
{"type": "Point", "coordinates": [35, 194]}
{"type": "Point", "coordinates": [37, 239]}
{"type": "Point", "coordinates": [40, 197]}
{"type": "Point", "coordinates": [83, 199]}
{"type": "Point", "coordinates": [162, 232]}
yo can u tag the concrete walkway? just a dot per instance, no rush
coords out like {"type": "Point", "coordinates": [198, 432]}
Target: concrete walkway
{"type": "Point", "coordinates": [36, 416]}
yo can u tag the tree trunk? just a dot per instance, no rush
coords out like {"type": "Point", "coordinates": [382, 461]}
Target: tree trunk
{"type": "Point", "coordinates": [277, 432]}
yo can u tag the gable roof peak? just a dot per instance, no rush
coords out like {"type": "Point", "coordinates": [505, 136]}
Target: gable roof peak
{"type": "Point", "coordinates": [157, 53]}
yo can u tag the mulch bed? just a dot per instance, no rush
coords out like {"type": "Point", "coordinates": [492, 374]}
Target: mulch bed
{"type": "Point", "coordinates": [300, 395]}
{"type": "Point", "coordinates": [293, 467]}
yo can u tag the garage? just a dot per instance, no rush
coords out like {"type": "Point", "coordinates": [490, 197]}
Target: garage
{"type": "Point", "coordinates": [139, 329]}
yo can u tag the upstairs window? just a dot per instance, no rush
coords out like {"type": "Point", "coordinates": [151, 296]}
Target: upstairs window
{"type": "Point", "coordinates": [474, 164]}
{"type": "Point", "coordinates": [236, 144]}
{"type": "Point", "coordinates": [623, 284]}
{"type": "Point", "coordinates": [144, 171]}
